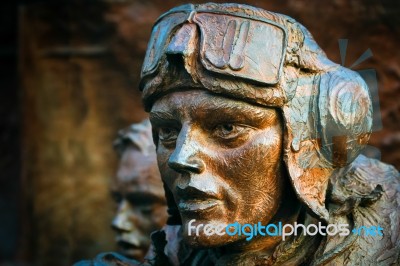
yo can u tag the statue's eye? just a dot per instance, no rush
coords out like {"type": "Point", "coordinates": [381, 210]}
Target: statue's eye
{"type": "Point", "coordinates": [228, 130]}
{"type": "Point", "coordinates": [146, 209]}
{"type": "Point", "coordinates": [117, 197]}
{"type": "Point", "coordinates": [168, 134]}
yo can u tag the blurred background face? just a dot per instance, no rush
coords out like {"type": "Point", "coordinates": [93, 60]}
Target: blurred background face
{"type": "Point", "coordinates": [138, 191]}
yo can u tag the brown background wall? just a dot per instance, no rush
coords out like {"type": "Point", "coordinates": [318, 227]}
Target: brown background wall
{"type": "Point", "coordinates": [79, 64]}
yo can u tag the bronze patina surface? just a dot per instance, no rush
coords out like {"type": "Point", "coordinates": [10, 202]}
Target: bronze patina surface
{"type": "Point", "coordinates": [253, 123]}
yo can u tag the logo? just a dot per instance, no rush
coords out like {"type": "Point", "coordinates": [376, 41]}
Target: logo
{"type": "Point", "coordinates": [279, 229]}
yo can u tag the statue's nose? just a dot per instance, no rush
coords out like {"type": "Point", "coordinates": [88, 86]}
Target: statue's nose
{"type": "Point", "coordinates": [187, 156]}
{"type": "Point", "coordinates": [122, 220]}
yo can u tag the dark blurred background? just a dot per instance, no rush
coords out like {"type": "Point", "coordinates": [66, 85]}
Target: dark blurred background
{"type": "Point", "coordinates": [69, 75]}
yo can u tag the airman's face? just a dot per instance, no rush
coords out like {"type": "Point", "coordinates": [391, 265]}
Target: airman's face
{"type": "Point", "coordinates": [139, 193]}
{"type": "Point", "coordinates": [221, 160]}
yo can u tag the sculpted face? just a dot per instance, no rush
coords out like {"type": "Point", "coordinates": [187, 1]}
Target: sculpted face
{"type": "Point", "coordinates": [221, 160]}
{"type": "Point", "coordinates": [138, 190]}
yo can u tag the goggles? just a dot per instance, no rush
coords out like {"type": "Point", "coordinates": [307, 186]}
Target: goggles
{"type": "Point", "coordinates": [231, 43]}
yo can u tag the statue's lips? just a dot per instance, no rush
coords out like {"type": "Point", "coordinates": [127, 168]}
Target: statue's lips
{"type": "Point", "coordinates": [197, 205]}
{"type": "Point", "coordinates": [129, 241]}
{"type": "Point", "coordinates": [127, 246]}
{"type": "Point", "coordinates": [130, 250]}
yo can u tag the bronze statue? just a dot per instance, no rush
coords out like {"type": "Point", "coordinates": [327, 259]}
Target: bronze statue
{"type": "Point", "coordinates": [259, 134]}
{"type": "Point", "coordinates": [138, 191]}
{"type": "Point", "coordinates": [254, 125]}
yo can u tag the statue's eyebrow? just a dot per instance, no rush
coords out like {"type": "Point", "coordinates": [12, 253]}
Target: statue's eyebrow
{"type": "Point", "coordinates": [234, 108]}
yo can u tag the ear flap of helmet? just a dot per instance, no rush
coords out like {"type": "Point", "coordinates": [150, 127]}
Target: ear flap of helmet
{"type": "Point", "coordinates": [309, 174]}
{"type": "Point", "coordinates": [328, 123]}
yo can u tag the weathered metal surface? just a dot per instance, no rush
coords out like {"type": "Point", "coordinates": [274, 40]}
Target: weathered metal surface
{"type": "Point", "coordinates": [285, 147]}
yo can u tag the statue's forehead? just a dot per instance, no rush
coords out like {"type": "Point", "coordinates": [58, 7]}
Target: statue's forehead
{"type": "Point", "coordinates": [201, 104]}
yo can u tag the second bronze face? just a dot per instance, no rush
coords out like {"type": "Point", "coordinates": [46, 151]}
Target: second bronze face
{"type": "Point", "coordinates": [138, 191]}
